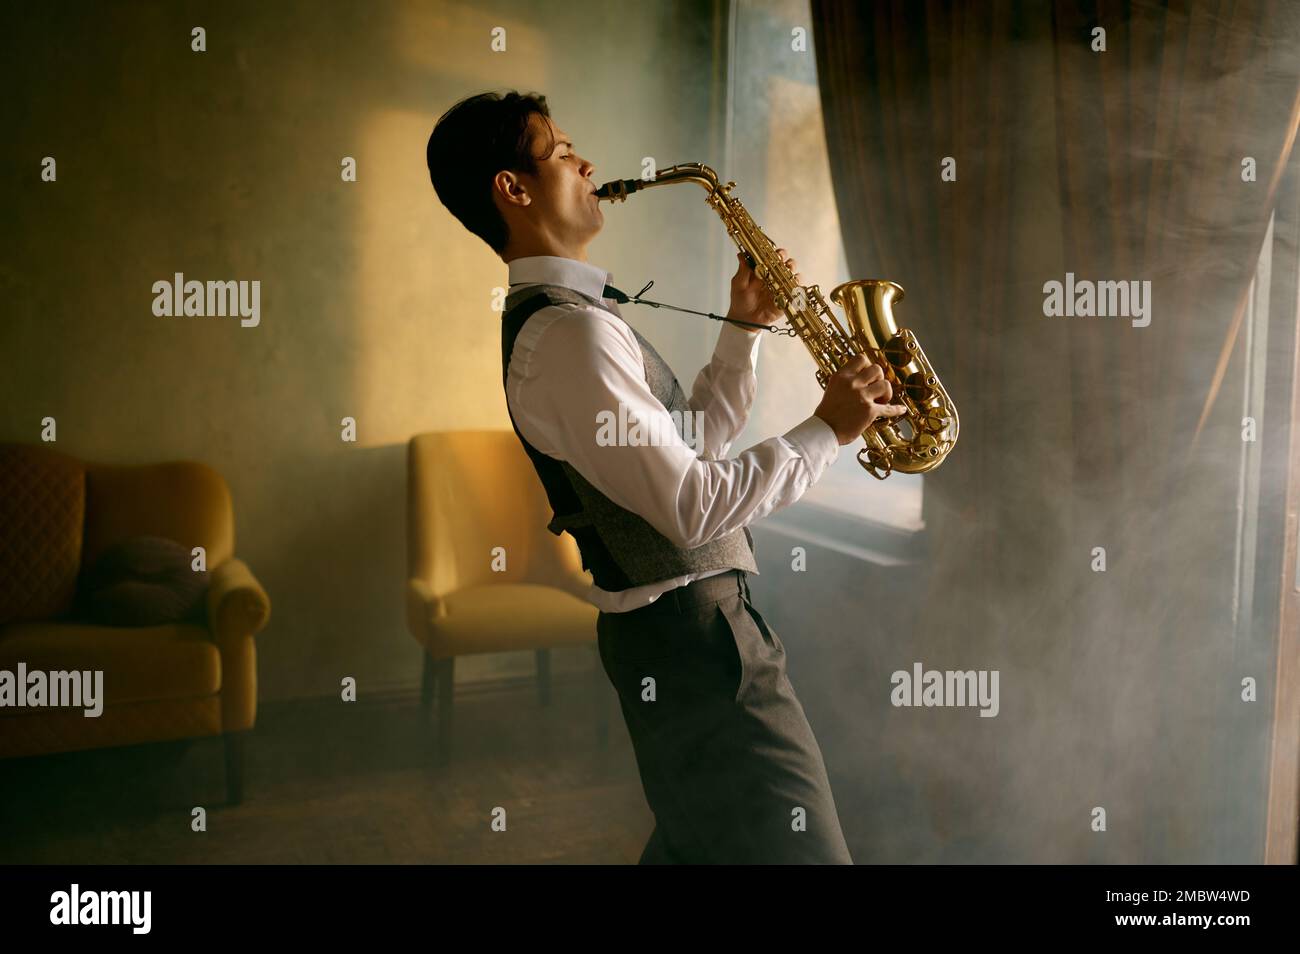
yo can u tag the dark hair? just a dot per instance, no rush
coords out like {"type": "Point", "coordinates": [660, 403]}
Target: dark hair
{"type": "Point", "coordinates": [470, 144]}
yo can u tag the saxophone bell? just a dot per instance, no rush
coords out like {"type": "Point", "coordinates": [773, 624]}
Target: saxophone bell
{"type": "Point", "coordinates": [932, 417]}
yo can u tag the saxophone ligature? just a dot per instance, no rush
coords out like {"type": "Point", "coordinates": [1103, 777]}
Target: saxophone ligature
{"type": "Point", "coordinates": [931, 416]}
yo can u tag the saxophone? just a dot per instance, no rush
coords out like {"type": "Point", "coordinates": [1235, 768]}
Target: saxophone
{"type": "Point", "coordinates": [931, 417]}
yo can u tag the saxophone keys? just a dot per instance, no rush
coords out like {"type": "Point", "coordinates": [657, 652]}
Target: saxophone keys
{"type": "Point", "coordinates": [900, 350]}
{"type": "Point", "coordinates": [920, 387]}
{"type": "Point", "coordinates": [935, 420]}
{"type": "Point", "coordinates": [925, 446]}
{"type": "Point", "coordinates": [876, 462]}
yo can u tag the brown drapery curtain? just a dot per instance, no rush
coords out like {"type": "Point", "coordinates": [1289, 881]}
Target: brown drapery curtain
{"type": "Point", "coordinates": [1076, 432]}
{"type": "Point", "coordinates": [1151, 148]}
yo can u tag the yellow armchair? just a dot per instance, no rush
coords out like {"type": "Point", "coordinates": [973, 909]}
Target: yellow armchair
{"type": "Point", "coordinates": [171, 681]}
{"type": "Point", "coordinates": [485, 575]}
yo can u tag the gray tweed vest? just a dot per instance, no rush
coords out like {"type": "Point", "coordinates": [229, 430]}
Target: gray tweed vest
{"type": "Point", "coordinates": [619, 547]}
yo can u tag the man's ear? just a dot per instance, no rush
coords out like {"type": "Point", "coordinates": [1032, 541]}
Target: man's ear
{"type": "Point", "coordinates": [511, 190]}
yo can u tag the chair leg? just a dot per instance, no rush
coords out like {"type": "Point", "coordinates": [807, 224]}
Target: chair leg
{"type": "Point", "coordinates": [600, 693]}
{"type": "Point", "coordinates": [234, 746]}
{"type": "Point", "coordinates": [446, 679]}
{"type": "Point", "coordinates": [427, 684]}
{"type": "Point", "coordinates": [544, 676]}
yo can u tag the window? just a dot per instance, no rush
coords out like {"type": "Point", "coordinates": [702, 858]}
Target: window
{"type": "Point", "coordinates": [776, 153]}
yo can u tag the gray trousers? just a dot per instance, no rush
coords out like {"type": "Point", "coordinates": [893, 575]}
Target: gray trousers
{"type": "Point", "coordinates": [729, 764]}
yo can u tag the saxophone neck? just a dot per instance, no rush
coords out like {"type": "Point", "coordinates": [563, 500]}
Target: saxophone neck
{"type": "Point", "coordinates": [617, 190]}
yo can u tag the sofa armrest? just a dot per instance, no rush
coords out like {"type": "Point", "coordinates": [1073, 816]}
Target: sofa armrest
{"type": "Point", "coordinates": [422, 607]}
{"type": "Point", "coordinates": [237, 604]}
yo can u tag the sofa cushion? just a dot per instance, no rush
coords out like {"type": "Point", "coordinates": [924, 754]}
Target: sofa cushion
{"type": "Point", "coordinates": [142, 581]}
{"type": "Point", "coordinates": [148, 663]}
{"type": "Point", "coordinates": [42, 510]}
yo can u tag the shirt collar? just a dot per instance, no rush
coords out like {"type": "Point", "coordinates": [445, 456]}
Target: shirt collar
{"type": "Point", "coordinates": [565, 272]}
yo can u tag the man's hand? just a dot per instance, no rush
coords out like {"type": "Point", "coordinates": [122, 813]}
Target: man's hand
{"type": "Point", "coordinates": [750, 299]}
{"type": "Point", "coordinates": [849, 404]}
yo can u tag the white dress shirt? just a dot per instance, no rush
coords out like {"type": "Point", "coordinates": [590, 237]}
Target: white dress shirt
{"type": "Point", "coordinates": [571, 362]}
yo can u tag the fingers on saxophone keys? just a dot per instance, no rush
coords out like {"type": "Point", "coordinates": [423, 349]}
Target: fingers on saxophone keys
{"type": "Point", "coordinates": [853, 365]}
{"type": "Point", "coordinates": [877, 390]}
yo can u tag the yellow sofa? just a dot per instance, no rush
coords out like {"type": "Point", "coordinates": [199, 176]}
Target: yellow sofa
{"type": "Point", "coordinates": [184, 680]}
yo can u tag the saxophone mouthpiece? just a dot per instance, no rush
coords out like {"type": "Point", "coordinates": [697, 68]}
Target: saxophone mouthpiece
{"type": "Point", "coordinates": [617, 190]}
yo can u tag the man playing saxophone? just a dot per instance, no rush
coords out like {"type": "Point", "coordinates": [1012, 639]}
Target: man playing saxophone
{"type": "Point", "coordinates": [725, 753]}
